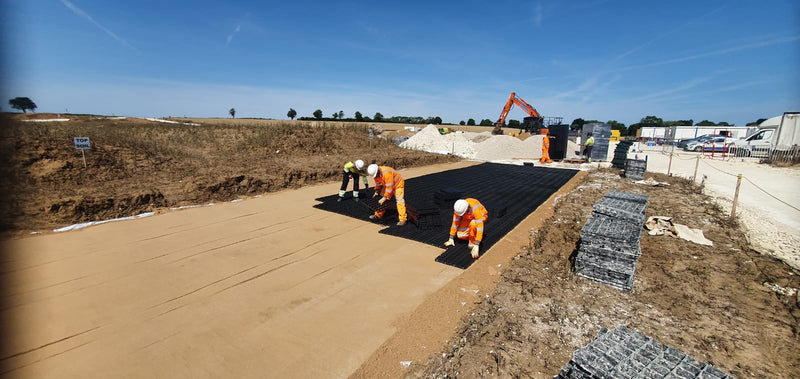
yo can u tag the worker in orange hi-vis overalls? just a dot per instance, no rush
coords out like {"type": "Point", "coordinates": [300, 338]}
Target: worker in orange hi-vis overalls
{"type": "Point", "coordinates": [545, 147]}
{"type": "Point", "coordinates": [388, 183]}
{"type": "Point", "coordinates": [469, 217]}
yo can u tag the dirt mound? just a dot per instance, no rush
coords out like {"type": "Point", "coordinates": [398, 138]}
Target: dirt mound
{"type": "Point", "coordinates": [65, 211]}
{"type": "Point", "coordinates": [724, 304]}
{"type": "Point", "coordinates": [136, 166]}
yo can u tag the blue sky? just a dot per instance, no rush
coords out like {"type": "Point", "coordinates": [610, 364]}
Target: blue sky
{"type": "Point", "coordinates": [720, 60]}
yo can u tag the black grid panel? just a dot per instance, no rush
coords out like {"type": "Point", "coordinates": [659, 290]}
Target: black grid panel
{"type": "Point", "coordinates": [509, 192]}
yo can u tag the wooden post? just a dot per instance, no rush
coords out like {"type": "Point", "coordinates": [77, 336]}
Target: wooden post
{"type": "Point", "coordinates": [84, 157]}
{"type": "Point", "coordinates": [669, 166]}
{"type": "Point", "coordinates": [736, 196]}
{"type": "Point", "coordinates": [696, 163]}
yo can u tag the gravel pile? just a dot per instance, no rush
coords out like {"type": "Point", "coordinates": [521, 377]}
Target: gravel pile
{"type": "Point", "coordinates": [479, 146]}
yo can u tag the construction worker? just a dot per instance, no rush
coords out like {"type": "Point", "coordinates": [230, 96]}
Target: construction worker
{"type": "Point", "coordinates": [545, 147]}
{"type": "Point", "coordinates": [352, 170]}
{"type": "Point", "coordinates": [388, 183]}
{"type": "Point", "coordinates": [587, 147]}
{"type": "Point", "coordinates": [469, 216]}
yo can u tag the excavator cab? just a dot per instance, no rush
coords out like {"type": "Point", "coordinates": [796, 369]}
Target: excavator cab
{"type": "Point", "coordinates": [532, 125]}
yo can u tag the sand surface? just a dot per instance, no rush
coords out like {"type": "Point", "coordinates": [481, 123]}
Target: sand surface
{"type": "Point", "coordinates": [266, 287]}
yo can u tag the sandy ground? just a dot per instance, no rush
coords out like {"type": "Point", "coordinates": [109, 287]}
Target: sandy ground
{"type": "Point", "coordinates": [264, 287]}
{"type": "Point", "coordinates": [768, 201]}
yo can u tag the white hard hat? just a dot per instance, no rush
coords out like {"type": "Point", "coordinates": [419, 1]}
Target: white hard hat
{"type": "Point", "coordinates": [359, 165]}
{"type": "Point", "coordinates": [372, 170]}
{"type": "Point", "coordinates": [460, 207]}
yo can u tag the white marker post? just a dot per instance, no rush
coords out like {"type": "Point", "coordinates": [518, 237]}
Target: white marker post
{"type": "Point", "coordinates": [82, 144]}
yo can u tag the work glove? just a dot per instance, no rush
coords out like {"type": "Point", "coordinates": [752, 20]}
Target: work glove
{"type": "Point", "coordinates": [475, 252]}
{"type": "Point", "coordinates": [381, 201]}
{"type": "Point", "coordinates": [375, 194]}
{"type": "Point", "coordinates": [450, 242]}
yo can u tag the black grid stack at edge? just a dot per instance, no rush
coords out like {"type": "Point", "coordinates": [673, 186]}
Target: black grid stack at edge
{"type": "Point", "coordinates": [609, 247]}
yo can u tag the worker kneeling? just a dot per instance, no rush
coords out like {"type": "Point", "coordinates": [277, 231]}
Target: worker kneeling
{"type": "Point", "coordinates": [469, 216]}
{"type": "Point", "coordinates": [388, 183]}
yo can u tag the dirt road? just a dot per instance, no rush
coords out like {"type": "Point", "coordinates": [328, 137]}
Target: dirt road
{"type": "Point", "coordinates": [264, 287]}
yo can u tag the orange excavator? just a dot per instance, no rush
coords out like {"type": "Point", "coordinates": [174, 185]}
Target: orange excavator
{"type": "Point", "coordinates": [531, 124]}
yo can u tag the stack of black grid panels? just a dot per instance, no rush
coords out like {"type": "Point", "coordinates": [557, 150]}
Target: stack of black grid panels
{"type": "Point", "coordinates": [622, 353]}
{"type": "Point", "coordinates": [621, 154]}
{"type": "Point", "coordinates": [609, 246]}
{"type": "Point", "coordinates": [635, 168]}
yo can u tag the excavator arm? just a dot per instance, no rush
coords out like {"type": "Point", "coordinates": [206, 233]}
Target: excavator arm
{"type": "Point", "coordinates": [533, 115]}
{"type": "Point", "coordinates": [522, 104]}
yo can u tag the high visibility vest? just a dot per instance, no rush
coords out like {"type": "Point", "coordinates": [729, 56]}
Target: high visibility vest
{"type": "Point", "coordinates": [476, 211]}
{"type": "Point", "coordinates": [389, 180]}
{"type": "Point", "coordinates": [589, 141]}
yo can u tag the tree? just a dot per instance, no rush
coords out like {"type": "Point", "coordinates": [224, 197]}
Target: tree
{"type": "Point", "coordinates": [359, 116]}
{"type": "Point", "coordinates": [341, 115]}
{"type": "Point", "coordinates": [705, 123]}
{"type": "Point", "coordinates": [757, 122]}
{"type": "Point", "coordinates": [649, 121]}
{"type": "Point", "coordinates": [318, 114]}
{"type": "Point", "coordinates": [335, 115]}
{"type": "Point", "coordinates": [437, 120]}
{"type": "Point", "coordinates": [576, 124]}
{"type": "Point", "coordinates": [292, 113]}
{"type": "Point", "coordinates": [471, 121]}
{"type": "Point", "coordinates": [22, 103]}
{"type": "Point", "coordinates": [378, 117]}
{"type": "Point", "coordinates": [486, 122]}
{"type": "Point", "coordinates": [723, 123]}
{"type": "Point", "coordinates": [232, 112]}
{"type": "Point", "coordinates": [462, 123]}
{"type": "Point", "coordinates": [615, 125]}
{"type": "Point", "coordinates": [513, 123]}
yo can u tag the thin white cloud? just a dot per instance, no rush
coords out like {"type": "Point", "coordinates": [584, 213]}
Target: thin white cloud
{"type": "Point", "coordinates": [672, 92]}
{"type": "Point", "coordinates": [538, 14]}
{"type": "Point", "coordinates": [235, 31]}
{"type": "Point", "coordinates": [756, 45]}
{"type": "Point", "coordinates": [80, 13]}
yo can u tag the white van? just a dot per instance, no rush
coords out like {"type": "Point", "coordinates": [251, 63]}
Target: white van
{"type": "Point", "coordinates": [757, 144]}
{"type": "Point", "coordinates": [777, 133]}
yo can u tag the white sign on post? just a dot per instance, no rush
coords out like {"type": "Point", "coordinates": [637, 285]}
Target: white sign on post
{"type": "Point", "coordinates": [82, 143]}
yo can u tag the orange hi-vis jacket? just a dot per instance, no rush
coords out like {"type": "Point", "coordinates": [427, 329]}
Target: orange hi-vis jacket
{"type": "Point", "coordinates": [389, 181]}
{"type": "Point", "coordinates": [472, 220]}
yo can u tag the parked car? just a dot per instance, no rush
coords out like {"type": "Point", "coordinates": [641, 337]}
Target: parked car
{"type": "Point", "coordinates": [717, 144]}
{"type": "Point", "coordinates": [706, 137]}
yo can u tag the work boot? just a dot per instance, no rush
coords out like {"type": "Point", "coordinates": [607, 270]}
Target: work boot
{"type": "Point", "coordinates": [401, 223]}
{"type": "Point", "coordinates": [373, 217]}
{"type": "Point", "coordinates": [339, 200]}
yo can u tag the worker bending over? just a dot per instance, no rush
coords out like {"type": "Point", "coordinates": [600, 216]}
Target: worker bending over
{"type": "Point", "coordinates": [469, 216]}
{"type": "Point", "coordinates": [353, 171]}
{"type": "Point", "coordinates": [545, 147]}
{"type": "Point", "coordinates": [388, 183]}
{"type": "Point", "coordinates": [587, 147]}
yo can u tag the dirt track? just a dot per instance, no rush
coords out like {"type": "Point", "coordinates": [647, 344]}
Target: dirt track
{"type": "Point", "coordinates": [265, 287]}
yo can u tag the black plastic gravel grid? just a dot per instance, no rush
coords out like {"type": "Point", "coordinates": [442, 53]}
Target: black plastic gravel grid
{"type": "Point", "coordinates": [622, 353]}
{"type": "Point", "coordinates": [516, 190]}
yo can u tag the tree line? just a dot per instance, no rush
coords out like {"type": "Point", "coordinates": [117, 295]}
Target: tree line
{"type": "Point", "coordinates": [653, 121]}
{"type": "Point", "coordinates": [24, 104]}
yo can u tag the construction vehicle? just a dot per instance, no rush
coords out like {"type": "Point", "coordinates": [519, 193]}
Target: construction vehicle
{"type": "Point", "coordinates": [530, 124]}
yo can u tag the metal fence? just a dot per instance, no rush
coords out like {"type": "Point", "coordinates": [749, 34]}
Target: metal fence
{"type": "Point", "coordinates": [781, 155]}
